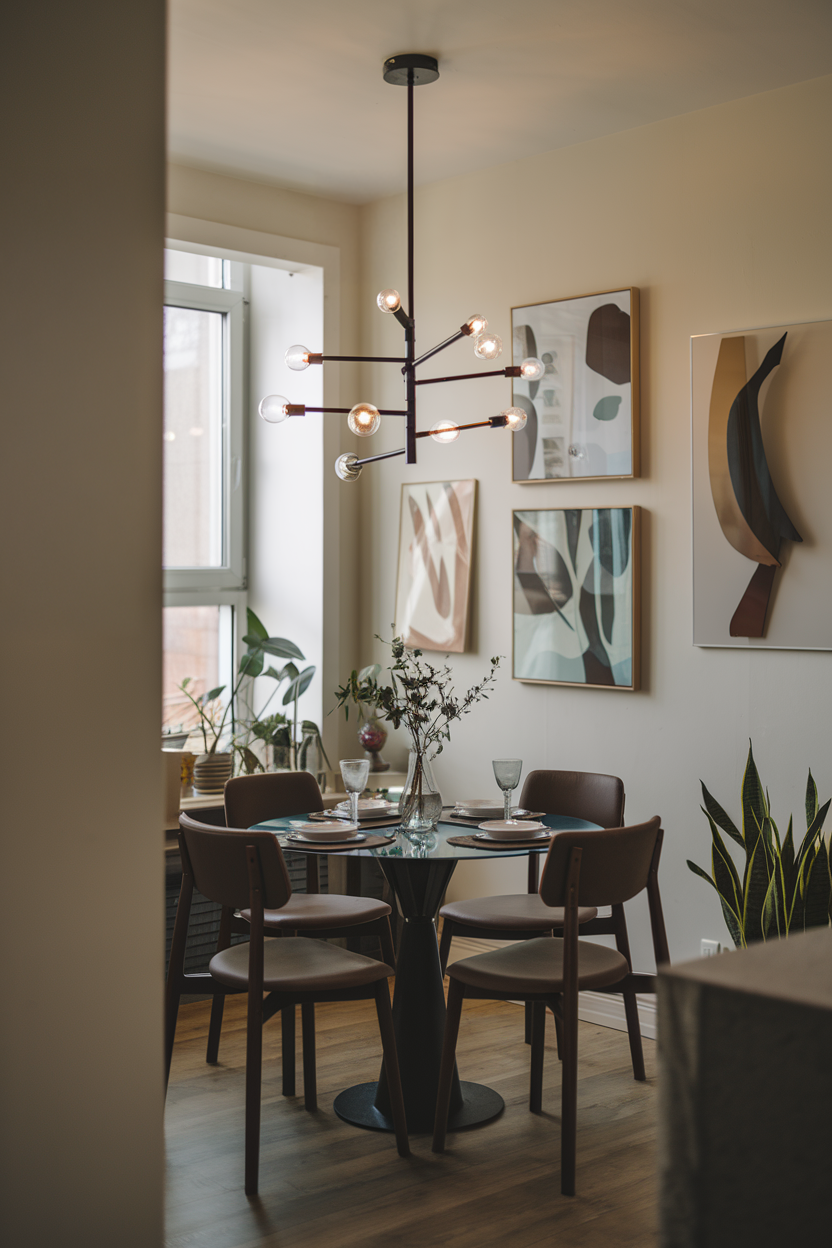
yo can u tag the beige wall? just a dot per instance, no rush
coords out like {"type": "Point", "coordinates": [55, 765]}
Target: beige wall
{"type": "Point", "coordinates": [82, 871]}
{"type": "Point", "coordinates": [721, 218]}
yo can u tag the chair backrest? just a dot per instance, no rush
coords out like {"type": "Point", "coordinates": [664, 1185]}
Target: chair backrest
{"type": "Point", "coordinates": [270, 795]}
{"type": "Point", "coordinates": [217, 861]}
{"type": "Point", "coordinates": [615, 864]}
{"type": "Point", "coordinates": [580, 794]}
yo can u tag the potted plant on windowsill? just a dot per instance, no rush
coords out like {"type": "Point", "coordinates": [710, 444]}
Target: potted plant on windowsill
{"type": "Point", "coordinates": [224, 731]}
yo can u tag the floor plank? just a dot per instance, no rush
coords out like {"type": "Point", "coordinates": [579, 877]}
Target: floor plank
{"type": "Point", "coordinates": [324, 1182]}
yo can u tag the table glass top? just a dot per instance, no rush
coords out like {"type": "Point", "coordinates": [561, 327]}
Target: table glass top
{"type": "Point", "coordinates": [433, 845]}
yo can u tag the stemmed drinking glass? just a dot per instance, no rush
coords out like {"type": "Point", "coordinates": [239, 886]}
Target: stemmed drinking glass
{"type": "Point", "coordinates": [355, 772]}
{"type": "Point", "coordinates": [507, 774]}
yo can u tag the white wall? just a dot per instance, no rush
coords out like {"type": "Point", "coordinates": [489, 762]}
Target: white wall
{"type": "Point", "coordinates": [721, 218]}
{"type": "Point", "coordinates": [82, 865]}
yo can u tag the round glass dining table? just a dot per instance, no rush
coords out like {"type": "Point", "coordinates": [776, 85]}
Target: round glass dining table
{"type": "Point", "coordinates": [418, 868]}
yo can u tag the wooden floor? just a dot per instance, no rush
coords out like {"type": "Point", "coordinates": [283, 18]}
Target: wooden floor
{"type": "Point", "coordinates": [329, 1185]}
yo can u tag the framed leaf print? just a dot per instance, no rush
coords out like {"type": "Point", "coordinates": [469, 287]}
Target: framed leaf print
{"type": "Point", "coordinates": [582, 414]}
{"type": "Point", "coordinates": [576, 596]}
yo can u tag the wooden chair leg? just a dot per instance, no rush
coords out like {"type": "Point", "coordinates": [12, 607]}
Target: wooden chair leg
{"type": "Point", "coordinates": [310, 1086]}
{"type": "Point", "coordinates": [634, 1034]}
{"type": "Point", "coordinates": [171, 1015]}
{"type": "Point", "coordinates": [445, 944]}
{"type": "Point", "coordinates": [215, 1028]}
{"type": "Point", "coordinates": [388, 950]}
{"type": "Point", "coordinates": [456, 992]}
{"type": "Point", "coordinates": [254, 1057]}
{"type": "Point", "coordinates": [287, 1042]}
{"type": "Point", "coordinates": [538, 1012]}
{"type": "Point", "coordinates": [558, 1031]}
{"type": "Point", "coordinates": [391, 1067]}
{"type": "Point", "coordinates": [569, 1101]}
{"type": "Point", "coordinates": [529, 1013]}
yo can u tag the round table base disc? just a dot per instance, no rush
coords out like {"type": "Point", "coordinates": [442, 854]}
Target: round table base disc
{"type": "Point", "coordinates": [355, 1105]}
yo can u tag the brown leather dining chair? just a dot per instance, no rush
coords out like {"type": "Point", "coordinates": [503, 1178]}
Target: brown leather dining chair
{"type": "Point", "coordinates": [242, 869]}
{"type": "Point", "coordinates": [589, 795]}
{"type": "Point", "coordinates": [583, 869]}
{"type": "Point", "coordinates": [273, 795]}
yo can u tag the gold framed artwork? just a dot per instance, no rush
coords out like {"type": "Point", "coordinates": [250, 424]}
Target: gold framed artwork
{"type": "Point", "coordinates": [576, 597]}
{"type": "Point", "coordinates": [433, 585]}
{"type": "Point", "coordinates": [762, 526]}
{"type": "Point", "coordinates": [582, 414]}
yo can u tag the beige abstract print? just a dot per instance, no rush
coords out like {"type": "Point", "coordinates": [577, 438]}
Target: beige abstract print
{"type": "Point", "coordinates": [434, 567]}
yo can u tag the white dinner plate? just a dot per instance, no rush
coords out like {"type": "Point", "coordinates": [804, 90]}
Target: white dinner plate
{"type": "Point", "coordinates": [336, 830]}
{"type": "Point", "coordinates": [514, 829]}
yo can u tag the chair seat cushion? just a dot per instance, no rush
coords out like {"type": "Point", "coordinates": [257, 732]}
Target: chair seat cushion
{"type": "Point", "coordinates": [520, 911]}
{"type": "Point", "coordinates": [317, 911]}
{"type": "Point", "coordinates": [296, 964]}
{"type": "Point", "coordinates": [536, 967]}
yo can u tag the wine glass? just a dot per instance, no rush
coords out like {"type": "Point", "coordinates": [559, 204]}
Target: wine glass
{"type": "Point", "coordinates": [355, 772]}
{"type": "Point", "coordinates": [507, 774]}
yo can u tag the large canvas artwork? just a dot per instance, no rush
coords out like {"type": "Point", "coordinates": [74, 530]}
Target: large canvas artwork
{"type": "Point", "coordinates": [576, 591]}
{"type": "Point", "coordinates": [582, 415]}
{"type": "Point", "coordinates": [436, 533]}
{"type": "Point", "coordinates": [762, 448]}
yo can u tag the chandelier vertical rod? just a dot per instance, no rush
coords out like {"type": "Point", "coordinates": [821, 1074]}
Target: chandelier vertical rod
{"type": "Point", "coordinates": [410, 331]}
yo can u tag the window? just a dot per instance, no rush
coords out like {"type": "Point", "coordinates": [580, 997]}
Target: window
{"type": "Point", "coordinates": [204, 556]}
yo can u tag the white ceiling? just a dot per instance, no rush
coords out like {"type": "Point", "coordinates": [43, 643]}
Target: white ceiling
{"type": "Point", "coordinates": [292, 92]}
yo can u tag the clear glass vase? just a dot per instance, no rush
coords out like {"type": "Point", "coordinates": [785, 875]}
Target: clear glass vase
{"type": "Point", "coordinates": [421, 802]}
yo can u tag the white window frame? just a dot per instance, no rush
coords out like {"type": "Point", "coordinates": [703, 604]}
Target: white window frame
{"type": "Point", "coordinates": [231, 575]}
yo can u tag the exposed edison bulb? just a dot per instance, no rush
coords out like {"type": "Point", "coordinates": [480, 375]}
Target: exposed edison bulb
{"type": "Point", "coordinates": [389, 300]}
{"type": "Point", "coordinates": [444, 431]}
{"type": "Point", "coordinates": [348, 467]}
{"type": "Point", "coordinates": [515, 418]}
{"type": "Point", "coordinates": [273, 408]}
{"type": "Point", "coordinates": [532, 369]}
{"type": "Point", "coordinates": [364, 419]}
{"type": "Point", "coordinates": [297, 357]}
{"type": "Point", "coordinates": [488, 346]}
{"type": "Point", "coordinates": [477, 324]}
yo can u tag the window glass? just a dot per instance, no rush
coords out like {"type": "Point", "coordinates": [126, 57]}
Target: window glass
{"type": "Point", "coordinates": [184, 266]}
{"type": "Point", "coordinates": [193, 439]}
{"type": "Point", "coordinates": [196, 643]}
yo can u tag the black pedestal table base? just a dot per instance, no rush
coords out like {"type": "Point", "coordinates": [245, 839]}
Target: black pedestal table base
{"type": "Point", "coordinates": [418, 1015]}
{"type": "Point", "coordinates": [479, 1104]}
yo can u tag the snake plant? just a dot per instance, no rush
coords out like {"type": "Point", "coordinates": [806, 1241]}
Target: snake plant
{"type": "Point", "coordinates": [782, 889]}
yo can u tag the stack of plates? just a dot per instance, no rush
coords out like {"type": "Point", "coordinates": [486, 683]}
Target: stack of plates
{"type": "Point", "coordinates": [479, 808]}
{"type": "Point", "coordinates": [513, 830]}
{"type": "Point", "coordinates": [334, 830]}
{"type": "Point", "coordinates": [369, 808]}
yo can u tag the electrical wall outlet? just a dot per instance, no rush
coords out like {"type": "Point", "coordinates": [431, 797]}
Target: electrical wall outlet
{"type": "Point", "coordinates": [709, 948]}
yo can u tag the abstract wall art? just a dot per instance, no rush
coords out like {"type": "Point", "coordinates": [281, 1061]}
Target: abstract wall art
{"type": "Point", "coordinates": [582, 415]}
{"type": "Point", "coordinates": [436, 533]}
{"type": "Point", "coordinates": [762, 452]}
{"type": "Point", "coordinates": [576, 595]}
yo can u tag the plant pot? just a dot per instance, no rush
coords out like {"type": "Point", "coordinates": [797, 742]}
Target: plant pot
{"type": "Point", "coordinates": [421, 802]}
{"type": "Point", "coordinates": [211, 772]}
{"type": "Point", "coordinates": [372, 737]}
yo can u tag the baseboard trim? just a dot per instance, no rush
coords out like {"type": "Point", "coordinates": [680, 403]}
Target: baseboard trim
{"type": "Point", "coordinates": [602, 1008]}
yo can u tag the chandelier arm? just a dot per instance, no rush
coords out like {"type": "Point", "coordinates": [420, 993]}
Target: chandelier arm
{"type": "Point", "coordinates": [371, 459]}
{"type": "Point", "coordinates": [345, 411]}
{"type": "Point", "coordinates": [358, 359]}
{"type": "Point", "coordinates": [441, 347]}
{"type": "Point", "coordinates": [493, 422]}
{"type": "Point", "coordinates": [513, 370]}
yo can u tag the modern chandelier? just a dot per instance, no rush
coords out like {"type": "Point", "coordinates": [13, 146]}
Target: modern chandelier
{"type": "Point", "coordinates": [410, 70]}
